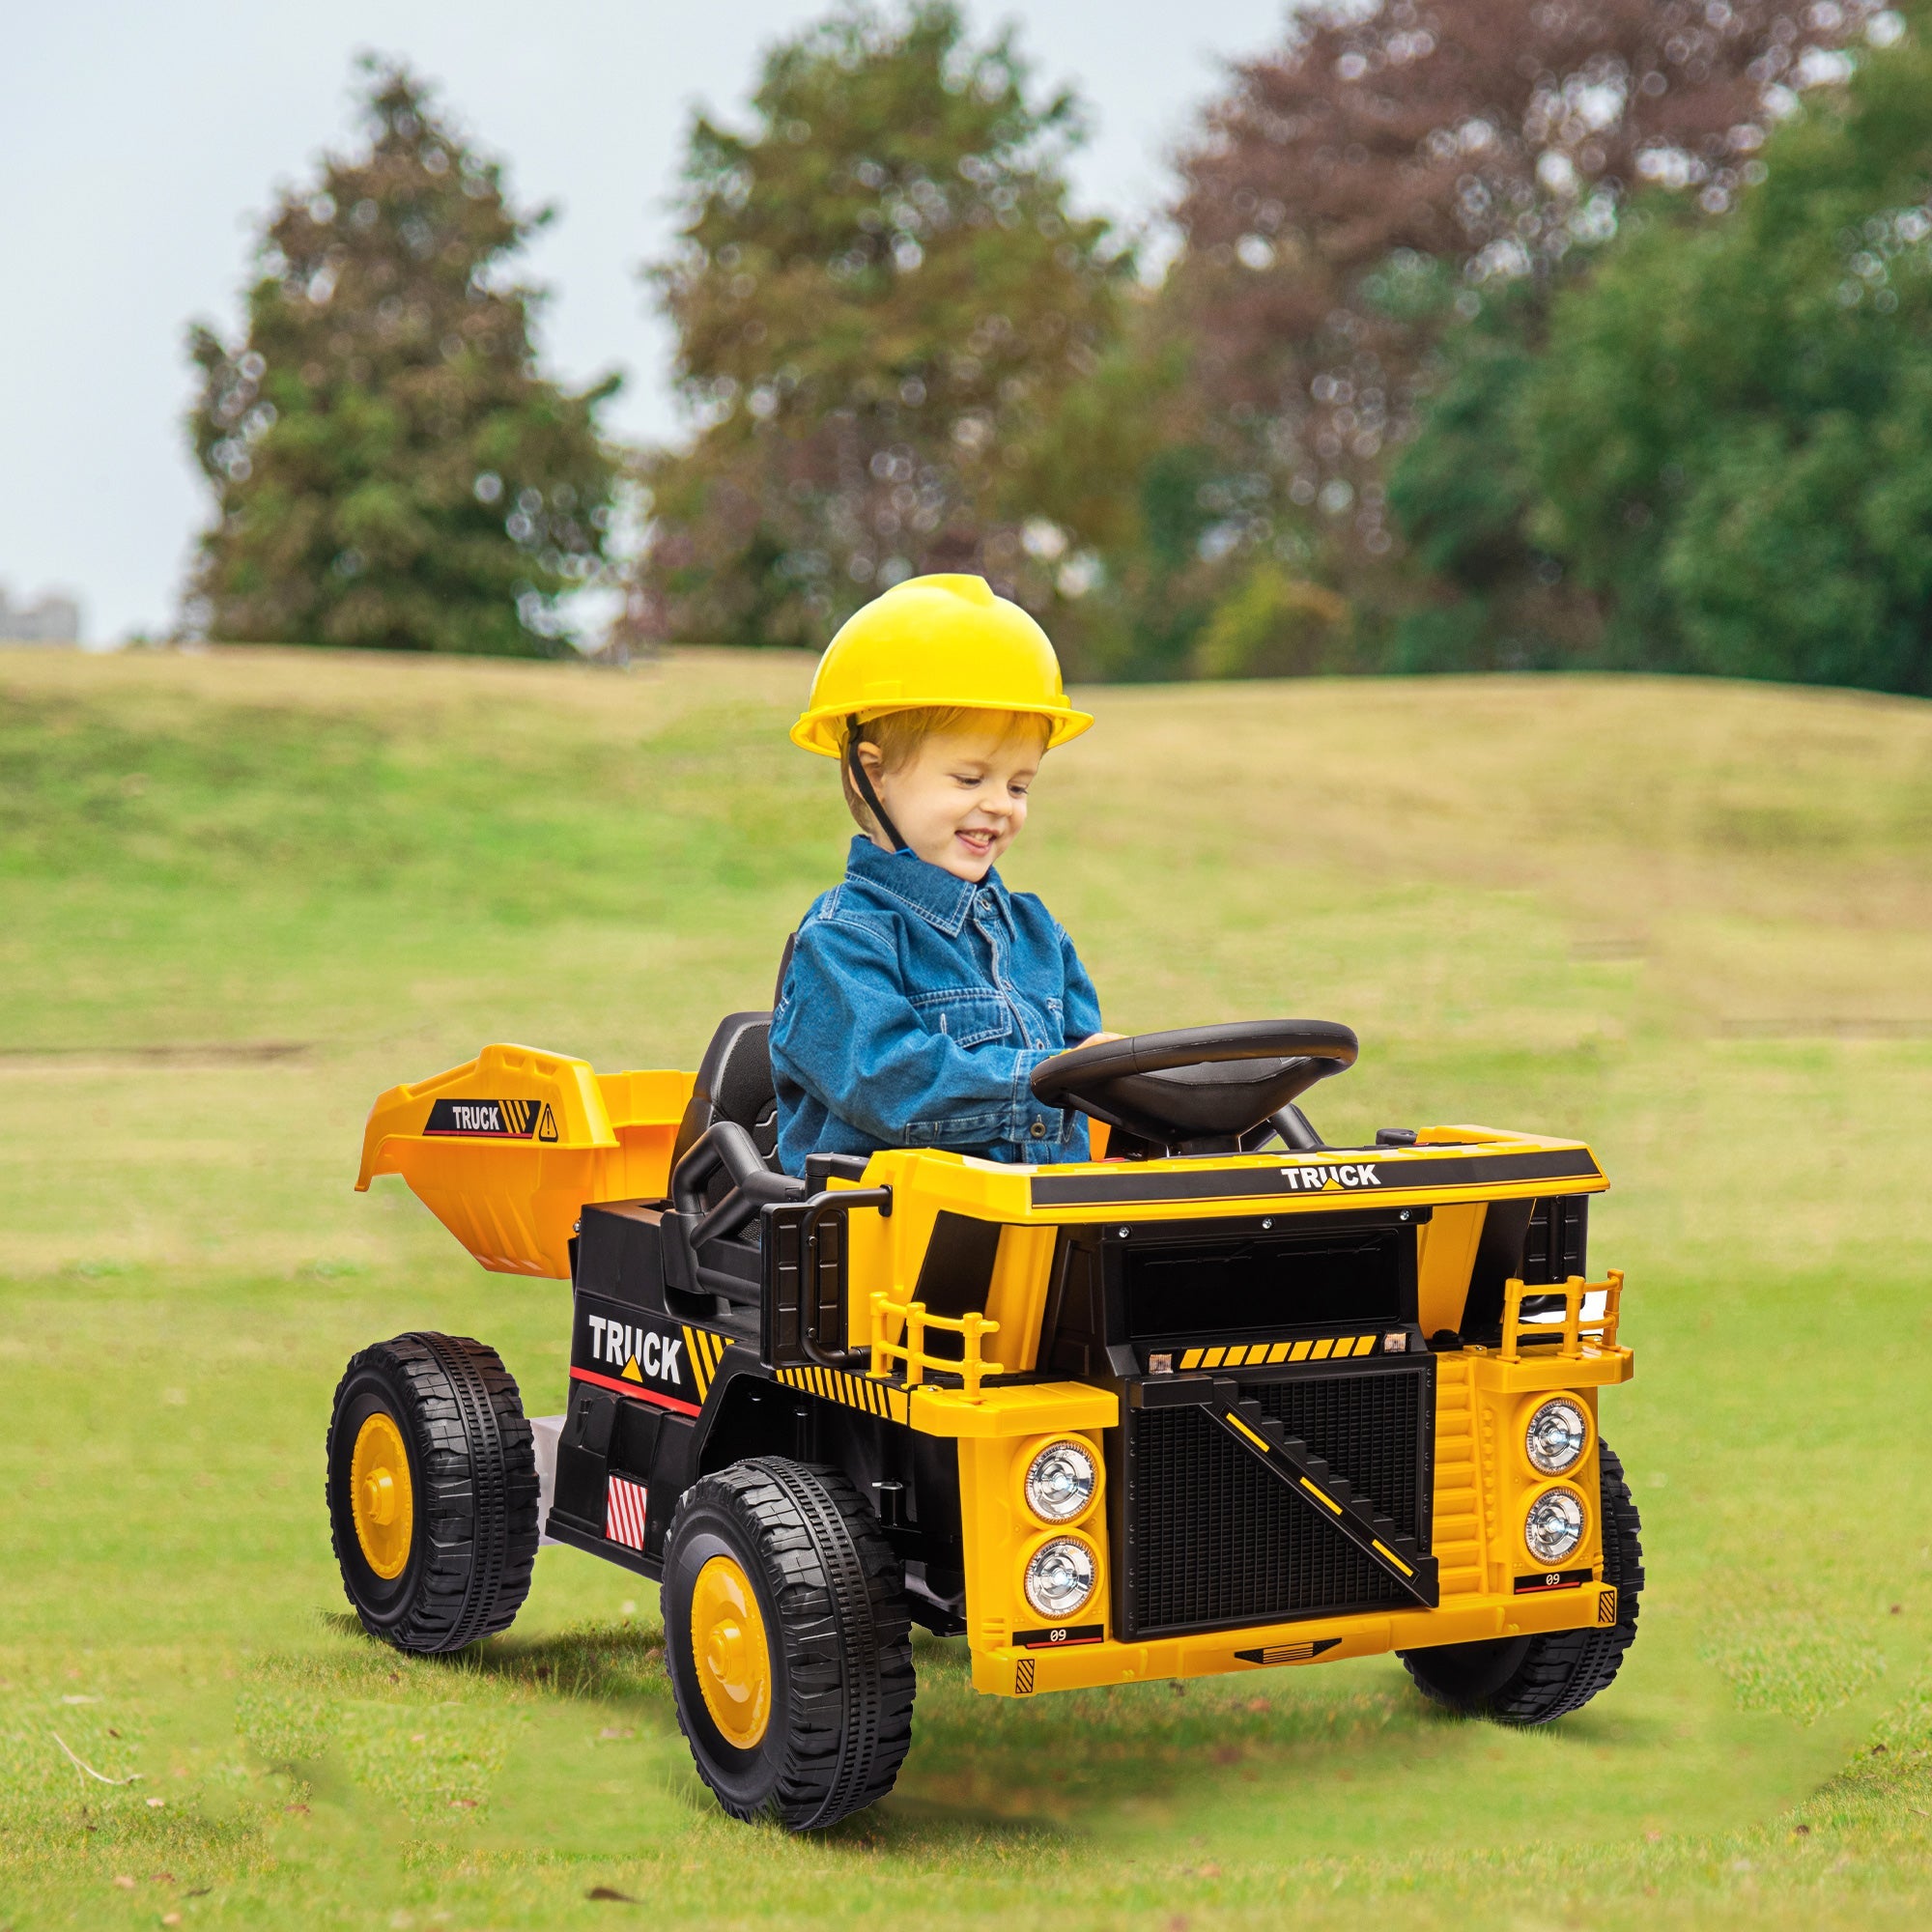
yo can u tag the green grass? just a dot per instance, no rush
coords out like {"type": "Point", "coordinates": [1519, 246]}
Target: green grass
{"type": "Point", "coordinates": [242, 893]}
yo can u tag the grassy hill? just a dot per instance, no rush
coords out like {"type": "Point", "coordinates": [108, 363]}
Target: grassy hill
{"type": "Point", "coordinates": [240, 893]}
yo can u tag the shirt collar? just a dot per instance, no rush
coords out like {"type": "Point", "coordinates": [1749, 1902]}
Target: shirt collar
{"type": "Point", "coordinates": [930, 891]}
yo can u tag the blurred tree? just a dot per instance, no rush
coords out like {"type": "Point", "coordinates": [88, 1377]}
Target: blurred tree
{"type": "Point", "coordinates": [1119, 462]}
{"type": "Point", "coordinates": [389, 469]}
{"type": "Point", "coordinates": [1272, 625]}
{"type": "Point", "coordinates": [1461, 496]}
{"type": "Point", "coordinates": [1730, 433]}
{"type": "Point", "coordinates": [1353, 191]}
{"type": "Point", "coordinates": [881, 301]}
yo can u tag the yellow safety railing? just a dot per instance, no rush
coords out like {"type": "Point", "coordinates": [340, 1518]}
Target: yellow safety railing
{"type": "Point", "coordinates": [1600, 1329]}
{"type": "Point", "coordinates": [899, 1335]}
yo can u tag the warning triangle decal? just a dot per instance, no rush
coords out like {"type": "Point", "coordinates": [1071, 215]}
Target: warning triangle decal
{"type": "Point", "coordinates": [546, 1127]}
{"type": "Point", "coordinates": [629, 1371]}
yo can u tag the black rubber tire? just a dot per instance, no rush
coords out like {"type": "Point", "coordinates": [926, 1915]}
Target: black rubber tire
{"type": "Point", "coordinates": [833, 1598]}
{"type": "Point", "coordinates": [473, 1469]}
{"type": "Point", "coordinates": [1534, 1680]}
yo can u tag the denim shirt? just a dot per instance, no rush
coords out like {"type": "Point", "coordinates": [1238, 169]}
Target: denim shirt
{"type": "Point", "coordinates": [916, 1007]}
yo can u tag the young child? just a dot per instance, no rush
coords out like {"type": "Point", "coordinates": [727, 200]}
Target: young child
{"type": "Point", "coordinates": [920, 993]}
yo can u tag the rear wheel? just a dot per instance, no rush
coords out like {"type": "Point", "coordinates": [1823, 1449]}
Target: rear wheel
{"type": "Point", "coordinates": [788, 1642]}
{"type": "Point", "coordinates": [1532, 1680]}
{"type": "Point", "coordinates": [432, 1491]}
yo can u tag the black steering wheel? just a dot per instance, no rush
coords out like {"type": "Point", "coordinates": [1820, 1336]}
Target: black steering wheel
{"type": "Point", "coordinates": [1198, 1088]}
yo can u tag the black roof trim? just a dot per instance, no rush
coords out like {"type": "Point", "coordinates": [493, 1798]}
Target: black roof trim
{"type": "Point", "coordinates": [1404, 1172]}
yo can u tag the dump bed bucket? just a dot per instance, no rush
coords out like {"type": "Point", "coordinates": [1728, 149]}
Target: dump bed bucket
{"type": "Point", "coordinates": [505, 1148]}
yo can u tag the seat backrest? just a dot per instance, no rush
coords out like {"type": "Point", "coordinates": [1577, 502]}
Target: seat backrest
{"type": "Point", "coordinates": [734, 1083]}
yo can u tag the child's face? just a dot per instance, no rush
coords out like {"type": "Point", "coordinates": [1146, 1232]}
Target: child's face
{"type": "Point", "coordinates": [961, 799]}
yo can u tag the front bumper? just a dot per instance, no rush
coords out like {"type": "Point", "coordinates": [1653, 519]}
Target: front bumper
{"type": "Point", "coordinates": [1010, 1670]}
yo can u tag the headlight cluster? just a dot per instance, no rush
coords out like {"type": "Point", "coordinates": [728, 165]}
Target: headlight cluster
{"type": "Point", "coordinates": [1060, 1482]}
{"type": "Point", "coordinates": [1554, 1526]}
{"type": "Point", "coordinates": [1558, 1433]}
{"type": "Point", "coordinates": [1059, 1576]}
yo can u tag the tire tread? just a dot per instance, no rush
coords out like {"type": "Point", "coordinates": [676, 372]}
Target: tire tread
{"type": "Point", "coordinates": [479, 1499]}
{"type": "Point", "coordinates": [1560, 1670]}
{"type": "Point", "coordinates": [846, 1632]}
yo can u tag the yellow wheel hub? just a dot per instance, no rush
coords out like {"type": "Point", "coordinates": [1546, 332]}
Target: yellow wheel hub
{"type": "Point", "coordinates": [729, 1649]}
{"type": "Point", "coordinates": [381, 1496]}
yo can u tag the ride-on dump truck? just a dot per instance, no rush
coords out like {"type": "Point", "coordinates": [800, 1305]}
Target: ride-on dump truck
{"type": "Point", "coordinates": [1223, 1399]}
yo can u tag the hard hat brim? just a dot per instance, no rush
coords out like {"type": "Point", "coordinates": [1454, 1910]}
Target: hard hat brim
{"type": "Point", "coordinates": [819, 730]}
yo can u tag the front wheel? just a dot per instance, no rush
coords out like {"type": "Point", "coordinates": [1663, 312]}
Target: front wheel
{"type": "Point", "coordinates": [788, 1642]}
{"type": "Point", "coordinates": [1533, 1680]}
{"type": "Point", "coordinates": [432, 1491]}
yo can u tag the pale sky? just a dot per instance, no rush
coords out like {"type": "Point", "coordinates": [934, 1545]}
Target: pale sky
{"type": "Point", "coordinates": [138, 145]}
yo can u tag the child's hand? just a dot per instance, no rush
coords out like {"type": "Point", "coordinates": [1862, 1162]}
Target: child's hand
{"type": "Point", "coordinates": [1092, 1039]}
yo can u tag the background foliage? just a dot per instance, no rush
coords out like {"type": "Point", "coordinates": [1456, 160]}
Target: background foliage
{"type": "Point", "coordinates": [1344, 192]}
{"type": "Point", "coordinates": [1741, 418]}
{"type": "Point", "coordinates": [881, 300]}
{"type": "Point", "coordinates": [388, 466]}
{"type": "Point", "coordinates": [1493, 334]}
{"type": "Point", "coordinates": [1500, 332]}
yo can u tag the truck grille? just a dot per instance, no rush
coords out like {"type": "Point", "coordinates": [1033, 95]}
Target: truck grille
{"type": "Point", "coordinates": [1212, 1539]}
{"type": "Point", "coordinates": [1366, 1428]}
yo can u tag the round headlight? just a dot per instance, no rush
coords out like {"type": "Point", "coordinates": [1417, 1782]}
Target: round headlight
{"type": "Point", "coordinates": [1556, 1437]}
{"type": "Point", "coordinates": [1060, 1482]}
{"type": "Point", "coordinates": [1059, 1576]}
{"type": "Point", "coordinates": [1554, 1525]}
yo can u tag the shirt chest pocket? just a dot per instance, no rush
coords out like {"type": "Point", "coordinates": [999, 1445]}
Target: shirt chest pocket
{"type": "Point", "coordinates": [967, 1015]}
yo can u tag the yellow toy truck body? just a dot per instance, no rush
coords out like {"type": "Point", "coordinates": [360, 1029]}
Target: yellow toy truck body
{"type": "Point", "coordinates": [1328, 1401]}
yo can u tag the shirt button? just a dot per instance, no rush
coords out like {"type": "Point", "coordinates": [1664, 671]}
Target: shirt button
{"type": "Point", "coordinates": [1037, 1130]}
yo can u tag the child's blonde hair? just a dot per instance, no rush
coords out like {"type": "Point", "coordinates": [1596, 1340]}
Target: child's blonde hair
{"type": "Point", "coordinates": [898, 736]}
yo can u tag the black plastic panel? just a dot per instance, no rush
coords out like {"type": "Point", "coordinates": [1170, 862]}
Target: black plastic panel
{"type": "Point", "coordinates": [1557, 1243]}
{"type": "Point", "coordinates": [1380, 1172]}
{"type": "Point", "coordinates": [620, 1252]}
{"type": "Point", "coordinates": [1375, 1429]}
{"type": "Point", "coordinates": [1218, 1540]}
{"type": "Point", "coordinates": [803, 1298]}
{"type": "Point", "coordinates": [1212, 1539]}
{"type": "Point", "coordinates": [1349, 1279]}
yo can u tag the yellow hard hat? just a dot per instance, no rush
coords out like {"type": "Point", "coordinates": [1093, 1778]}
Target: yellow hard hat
{"type": "Point", "coordinates": [939, 641]}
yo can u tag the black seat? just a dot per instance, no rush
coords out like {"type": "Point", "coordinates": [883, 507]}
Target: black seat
{"type": "Point", "coordinates": [734, 1083]}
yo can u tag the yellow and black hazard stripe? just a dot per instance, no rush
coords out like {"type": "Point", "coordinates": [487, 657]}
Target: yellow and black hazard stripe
{"type": "Point", "coordinates": [1290, 1652]}
{"type": "Point", "coordinates": [704, 1351]}
{"type": "Point", "coordinates": [524, 1118]}
{"type": "Point", "coordinates": [1288, 1460]}
{"type": "Point", "coordinates": [1251, 1354]}
{"type": "Point", "coordinates": [867, 1392]}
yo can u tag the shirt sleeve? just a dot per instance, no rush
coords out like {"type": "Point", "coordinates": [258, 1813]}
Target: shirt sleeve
{"type": "Point", "coordinates": [850, 1037]}
{"type": "Point", "coordinates": [1082, 1003]}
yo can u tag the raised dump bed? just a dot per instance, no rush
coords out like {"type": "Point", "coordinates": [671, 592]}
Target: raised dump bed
{"type": "Point", "coordinates": [505, 1148]}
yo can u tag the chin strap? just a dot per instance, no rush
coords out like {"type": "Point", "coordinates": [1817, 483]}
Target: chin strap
{"type": "Point", "coordinates": [863, 786]}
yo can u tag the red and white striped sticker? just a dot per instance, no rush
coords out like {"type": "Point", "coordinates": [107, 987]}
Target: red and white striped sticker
{"type": "Point", "coordinates": [624, 1514]}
